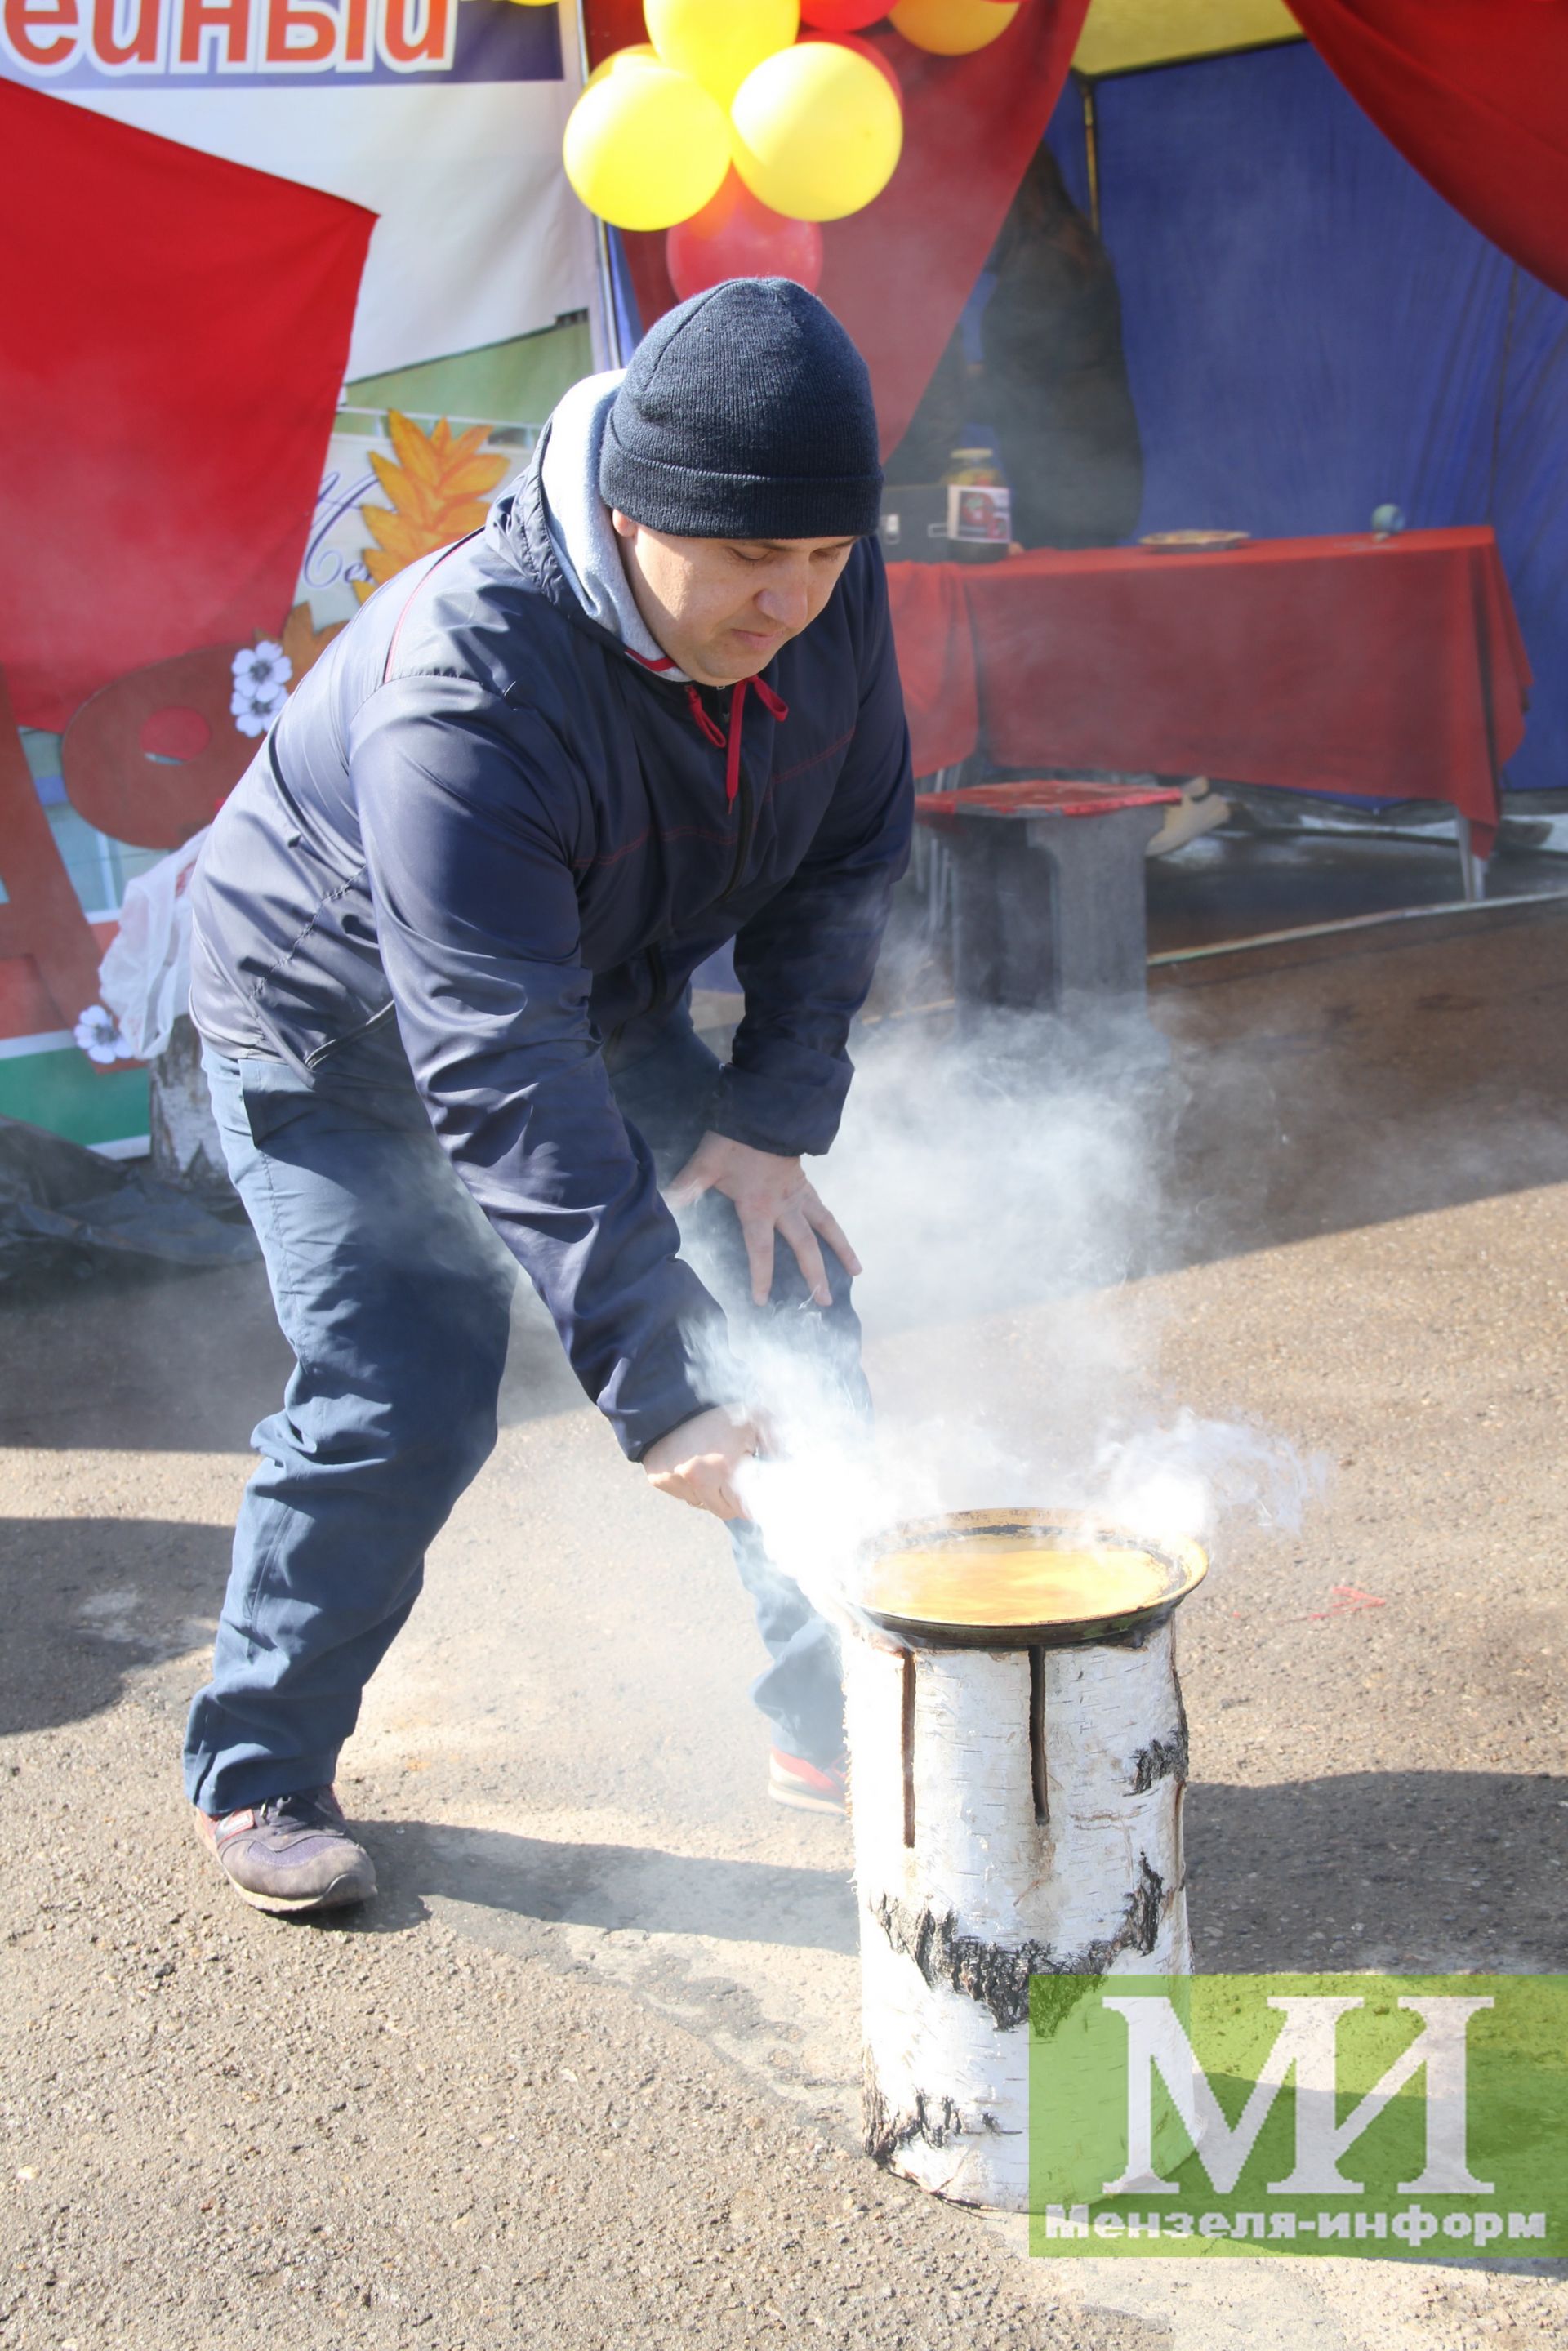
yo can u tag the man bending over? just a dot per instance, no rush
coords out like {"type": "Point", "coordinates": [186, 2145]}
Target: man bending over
{"type": "Point", "coordinates": [444, 929]}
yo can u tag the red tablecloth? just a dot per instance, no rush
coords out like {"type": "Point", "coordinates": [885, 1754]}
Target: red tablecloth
{"type": "Point", "coordinates": [935, 661]}
{"type": "Point", "coordinates": [1392, 668]}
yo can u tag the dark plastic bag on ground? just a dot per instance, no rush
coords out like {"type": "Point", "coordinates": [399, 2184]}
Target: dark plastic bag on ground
{"type": "Point", "coordinates": [63, 1203]}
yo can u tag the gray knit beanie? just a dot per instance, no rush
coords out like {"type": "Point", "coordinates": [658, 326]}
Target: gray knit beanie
{"type": "Point", "coordinates": [745, 413]}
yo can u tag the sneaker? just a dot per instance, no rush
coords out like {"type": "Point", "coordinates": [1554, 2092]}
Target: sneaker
{"type": "Point", "coordinates": [806, 1787]}
{"type": "Point", "coordinates": [292, 1852]}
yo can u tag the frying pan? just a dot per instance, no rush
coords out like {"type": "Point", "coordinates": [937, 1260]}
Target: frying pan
{"type": "Point", "coordinates": [1177, 1568]}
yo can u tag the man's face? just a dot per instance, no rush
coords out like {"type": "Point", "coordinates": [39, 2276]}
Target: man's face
{"type": "Point", "coordinates": [721, 608]}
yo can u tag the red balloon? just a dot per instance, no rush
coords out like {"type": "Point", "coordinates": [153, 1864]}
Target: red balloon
{"type": "Point", "coordinates": [734, 237]}
{"type": "Point", "coordinates": [867, 49]}
{"type": "Point", "coordinates": [843, 15]}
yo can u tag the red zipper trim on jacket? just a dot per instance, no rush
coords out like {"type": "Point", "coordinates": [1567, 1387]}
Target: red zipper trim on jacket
{"type": "Point", "coordinates": [705, 726]}
{"type": "Point", "coordinates": [772, 703]}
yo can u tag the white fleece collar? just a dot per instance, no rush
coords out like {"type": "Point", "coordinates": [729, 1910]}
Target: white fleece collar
{"type": "Point", "coordinates": [579, 520]}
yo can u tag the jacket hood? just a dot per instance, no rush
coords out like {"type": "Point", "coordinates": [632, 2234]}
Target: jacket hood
{"type": "Point", "coordinates": [582, 533]}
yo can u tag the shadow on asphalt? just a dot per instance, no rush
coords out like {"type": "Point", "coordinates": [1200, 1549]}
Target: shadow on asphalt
{"type": "Point", "coordinates": [1400, 1870]}
{"type": "Point", "coordinates": [85, 1602]}
{"type": "Point", "coordinates": [617, 1888]}
{"type": "Point", "coordinates": [1404, 1871]}
{"type": "Point", "coordinates": [147, 1359]}
{"type": "Point", "coordinates": [1340, 1084]}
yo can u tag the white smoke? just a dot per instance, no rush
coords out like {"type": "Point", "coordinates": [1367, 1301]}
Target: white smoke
{"type": "Point", "coordinates": [1001, 1204]}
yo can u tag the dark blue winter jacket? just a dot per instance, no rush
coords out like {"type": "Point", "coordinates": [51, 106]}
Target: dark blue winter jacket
{"type": "Point", "coordinates": [486, 837]}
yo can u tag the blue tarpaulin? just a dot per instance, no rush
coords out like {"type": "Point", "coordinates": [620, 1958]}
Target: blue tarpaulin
{"type": "Point", "coordinates": [1312, 331]}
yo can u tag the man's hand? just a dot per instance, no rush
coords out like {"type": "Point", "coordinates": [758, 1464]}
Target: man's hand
{"type": "Point", "coordinates": [772, 1196]}
{"type": "Point", "coordinates": [696, 1462]}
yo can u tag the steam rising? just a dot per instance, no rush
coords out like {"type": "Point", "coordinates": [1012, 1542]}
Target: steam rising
{"type": "Point", "coordinates": [1004, 1195]}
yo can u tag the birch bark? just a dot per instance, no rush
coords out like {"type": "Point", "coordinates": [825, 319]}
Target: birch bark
{"type": "Point", "coordinates": [1015, 1814]}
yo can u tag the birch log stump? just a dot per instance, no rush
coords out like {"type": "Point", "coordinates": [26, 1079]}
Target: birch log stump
{"type": "Point", "coordinates": [1016, 1812]}
{"type": "Point", "coordinates": [186, 1150]}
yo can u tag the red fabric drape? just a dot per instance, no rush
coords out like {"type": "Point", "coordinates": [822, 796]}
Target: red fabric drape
{"type": "Point", "coordinates": [173, 332]}
{"type": "Point", "coordinates": [1474, 93]}
{"type": "Point", "coordinates": [1394, 669]}
{"type": "Point", "coordinates": [899, 273]}
{"type": "Point", "coordinates": [935, 661]}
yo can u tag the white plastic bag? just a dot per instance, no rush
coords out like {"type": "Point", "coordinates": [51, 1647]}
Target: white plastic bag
{"type": "Point", "coordinates": [145, 976]}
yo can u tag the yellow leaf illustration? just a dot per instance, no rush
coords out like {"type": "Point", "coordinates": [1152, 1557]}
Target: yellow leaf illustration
{"type": "Point", "coordinates": [407, 496]}
{"type": "Point", "coordinates": [397, 533]}
{"type": "Point", "coordinates": [436, 492]}
{"type": "Point", "coordinates": [478, 474]}
{"type": "Point", "coordinates": [469, 517]}
{"type": "Point", "coordinates": [381, 568]}
{"type": "Point", "coordinates": [417, 456]}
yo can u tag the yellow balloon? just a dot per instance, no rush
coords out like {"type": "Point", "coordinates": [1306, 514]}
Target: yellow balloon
{"type": "Point", "coordinates": [818, 131]}
{"type": "Point", "coordinates": [718, 42]}
{"type": "Point", "coordinates": [951, 28]}
{"type": "Point", "coordinates": [645, 147]}
{"type": "Point", "coordinates": [616, 59]}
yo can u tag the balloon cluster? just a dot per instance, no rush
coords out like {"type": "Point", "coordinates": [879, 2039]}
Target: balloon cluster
{"type": "Point", "coordinates": [740, 125]}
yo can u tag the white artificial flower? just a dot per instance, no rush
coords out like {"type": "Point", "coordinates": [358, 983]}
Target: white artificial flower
{"type": "Point", "coordinates": [98, 1034]}
{"type": "Point", "coordinates": [260, 667]}
{"type": "Point", "coordinates": [253, 708]}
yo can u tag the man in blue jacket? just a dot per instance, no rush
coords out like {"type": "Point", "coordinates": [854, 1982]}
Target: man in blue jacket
{"type": "Point", "coordinates": [444, 928]}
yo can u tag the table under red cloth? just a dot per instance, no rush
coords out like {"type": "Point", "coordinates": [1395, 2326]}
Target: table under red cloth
{"type": "Point", "coordinates": [1390, 668]}
{"type": "Point", "coordinates": [935, 661]}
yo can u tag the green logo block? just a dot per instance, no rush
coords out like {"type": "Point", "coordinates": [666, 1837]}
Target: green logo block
{"type": "Point", "coordinates": [1354, 2114]}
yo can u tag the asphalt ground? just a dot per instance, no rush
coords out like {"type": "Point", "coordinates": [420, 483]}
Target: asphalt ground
{"type": "Point", "coordinates": [586, 2073]}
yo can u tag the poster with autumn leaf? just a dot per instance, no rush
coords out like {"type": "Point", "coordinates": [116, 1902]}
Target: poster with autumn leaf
{"type": "Point", "coordinates": [438, 490]}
